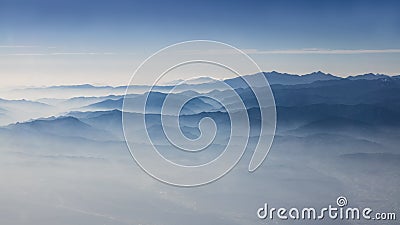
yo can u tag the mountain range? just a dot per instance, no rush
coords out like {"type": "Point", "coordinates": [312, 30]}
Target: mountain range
{"type": "Point", "coordinates": [370, 98]}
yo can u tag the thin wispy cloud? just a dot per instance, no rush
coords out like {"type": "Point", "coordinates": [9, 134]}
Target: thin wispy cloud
{"type": "Point", "coordinates": [82, 53]}
{"type": "Point", "coordinates": [290, 51]}
{"type": "Point", "coordinates": [19, 46]}
{"type": "Point", "coordinates": [58, 53]}
{"type": "Point", "coordinates": [321, 51]}
{"type": "Point", "coordinates": [15, 50]}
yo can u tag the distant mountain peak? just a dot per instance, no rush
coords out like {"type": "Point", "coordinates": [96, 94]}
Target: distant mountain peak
{"type": "Point", "coordinates": [195, 80]}
{"type": "Point", "coordinates": [319, 73]}
{"type": "Point", "coordinates": [275, 77]}
{"type": "Point", "coordinates": [368, 76]}
{"type": "Point", "coordinates": [50, 121]}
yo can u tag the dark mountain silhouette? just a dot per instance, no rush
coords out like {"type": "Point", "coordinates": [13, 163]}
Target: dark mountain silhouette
{"type": "Point", "coordinates": [62, 126]}
{"type": "Point", "coordinates": [107, 104]}
{"type": "Point", "coordinates": [283, 78]}
{"type": "Point", "coordinates": [290, 79]}
{"type": "Point", "coordinates": [368, 76]}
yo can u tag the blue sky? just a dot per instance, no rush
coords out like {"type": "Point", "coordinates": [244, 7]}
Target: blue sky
{"type": "Point", "coordinates": [101, 42]}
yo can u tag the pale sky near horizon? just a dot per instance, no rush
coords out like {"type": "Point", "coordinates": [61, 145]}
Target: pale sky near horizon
{"type": "Point", "coordinates": [101, 42]}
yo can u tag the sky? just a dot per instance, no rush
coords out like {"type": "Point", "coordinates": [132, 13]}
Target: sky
{"type": "Point", "coordinates": [102, 42]}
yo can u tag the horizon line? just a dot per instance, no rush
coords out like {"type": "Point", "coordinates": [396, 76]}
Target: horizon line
{"type": "Point", "coordinates": [166, 85]}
